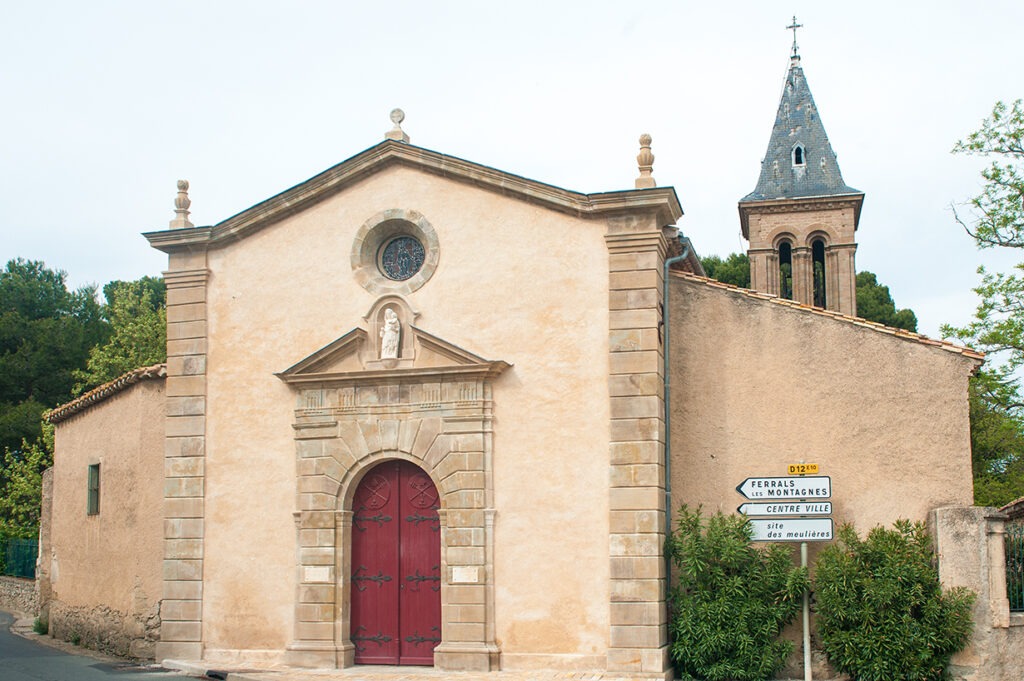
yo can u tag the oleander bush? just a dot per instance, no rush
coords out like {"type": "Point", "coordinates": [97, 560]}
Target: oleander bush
{"type": "Point", "coordinates": [730, 599]}
{"type": "Point", "coordinates": [882, 613]}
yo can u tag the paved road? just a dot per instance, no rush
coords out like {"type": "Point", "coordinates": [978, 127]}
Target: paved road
{"type": "Point", "coordinates": [25, 660]}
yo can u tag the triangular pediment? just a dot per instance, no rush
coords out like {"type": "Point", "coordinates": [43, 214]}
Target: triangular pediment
{"type": "Point", "coordinates": [660, 200]}
{"type": "Point", "coordinates": [353, 358]}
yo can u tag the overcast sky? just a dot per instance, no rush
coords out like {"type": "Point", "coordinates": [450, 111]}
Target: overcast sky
{"type": "Point", "coordinates": [107, 104]}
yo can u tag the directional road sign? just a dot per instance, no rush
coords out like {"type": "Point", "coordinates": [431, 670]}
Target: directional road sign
{"type": "Point", "coordinates": [792, 529]}
{"type": "Point", "coordinates": [809, 487]}
{"type": "Point", "coordinates": [787, 508]}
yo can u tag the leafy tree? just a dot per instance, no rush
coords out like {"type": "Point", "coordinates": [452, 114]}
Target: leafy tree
{"type": "Point", "coordinates": [875, 304]}
{"type": "Point", "coordinates": [996, 218]}
{"type": "Point", "coordinates": [731, 601]}
{"type": "Point", "coordinates": [137, 314]}
{"type": "Point", "coordinates": [45, 334]}
{"type": "Point", "coordinates": [21, 486]}
{"type": "Point", "coordinates": [882, 613]}
{"type": "Point", "coordinates": [735, 269]}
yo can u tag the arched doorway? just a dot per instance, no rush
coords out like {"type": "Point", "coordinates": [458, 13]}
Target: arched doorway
{"type": "Point", "coordinates": [396, 566]}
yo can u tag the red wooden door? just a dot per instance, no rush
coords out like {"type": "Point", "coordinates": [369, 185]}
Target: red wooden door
{"type": "Point", "coordinates": [396, 566]}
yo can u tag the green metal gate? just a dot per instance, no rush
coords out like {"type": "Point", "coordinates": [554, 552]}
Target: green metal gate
{"type": "Point", "coordinates": [20, 558]}
{"type": "Point", "coordinates": [1015, 565]}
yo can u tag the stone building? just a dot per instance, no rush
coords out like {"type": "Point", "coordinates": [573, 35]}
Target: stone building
{"type": "Point", "coordinates": [415, 409]}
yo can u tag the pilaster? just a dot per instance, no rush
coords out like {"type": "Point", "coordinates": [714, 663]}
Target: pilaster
{"type": "Point", "coordinates": [638, 638]}
{"type": "Point", "coordinates": [184, 459]}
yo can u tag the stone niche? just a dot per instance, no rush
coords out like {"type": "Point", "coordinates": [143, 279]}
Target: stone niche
{"type": "Point", "coordinates": [431, 405]}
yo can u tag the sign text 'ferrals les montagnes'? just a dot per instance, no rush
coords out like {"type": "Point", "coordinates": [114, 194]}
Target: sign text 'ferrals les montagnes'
{"type": "Point", "coordinates": [809, 487]}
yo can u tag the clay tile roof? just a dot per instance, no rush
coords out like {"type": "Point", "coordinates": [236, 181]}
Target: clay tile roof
{"type": "Point", "coordinates": [1015, 509]}
{"type": "Point", "coordinates": [97, 395]}
{"type": "Point", "coordinates": [847, 319]}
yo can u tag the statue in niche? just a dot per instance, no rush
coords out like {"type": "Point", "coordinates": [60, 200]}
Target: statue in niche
{"type": "Point", "coordinates": [390, 333]}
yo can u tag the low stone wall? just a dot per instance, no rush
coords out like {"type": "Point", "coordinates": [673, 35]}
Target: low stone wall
{"type": "Point", "coordinates": [970, 546]}
{"type": "Point", "coordinates": [19, 595]}
{"type": "Point", "coordinates": [106, 630]}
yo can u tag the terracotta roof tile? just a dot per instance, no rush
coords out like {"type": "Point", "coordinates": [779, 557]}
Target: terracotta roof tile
{"type": "Point", "coordinates": [839, 316]}
{"type": "Point", "coordinates": [97, 395]}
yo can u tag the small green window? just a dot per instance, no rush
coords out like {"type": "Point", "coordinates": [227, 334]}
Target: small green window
{"type": "Point", "coordinates": [93, 507]}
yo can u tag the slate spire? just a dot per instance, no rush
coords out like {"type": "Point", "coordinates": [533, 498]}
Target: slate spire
{"type": "Point", "coordinates": [799, 161]}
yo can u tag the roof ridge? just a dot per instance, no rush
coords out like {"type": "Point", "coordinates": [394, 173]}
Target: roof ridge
{"type": "Point", "coordinates": [102, 392]}
{"type": "Point", "coordinates": [839, 316]}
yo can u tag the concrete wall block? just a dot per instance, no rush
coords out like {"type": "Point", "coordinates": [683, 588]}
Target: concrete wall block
{"type": "Point", "coordinates": [183, 487]}
{"type": "Point", "coordinates": [464, 613]}
{"type": "Point", "coordinates": [188, 507]}
{"type": "Point", "coordinates": [186, 330]}
{"type": "Point", "coordinates": [309, 448]}
{"type": "Point", "coordinates": [638, 636]}
{"type": "Point", "coordinates": [182, 570]}
{"type": "Point", "coordinates": [188, 549]}
{"type": "Point", "coordinates": [185, 295]}
{"type": "Point", "coordinates": [314, 612]}
{"type": "Point", "coordinates": [634, 319]}
{"type": "Point", "coordinates": [317, 555]}
{"type": "Point", "coordinates": [180, 386]}
{"type": "Point", "coordinates": [187, 346]}
{"type": "Point", "coordinates": [642, 475]}
{"type": "Point", "coordinates": [638, 567]}
{"type": "Point", "coordinates": [388, 434]}
{"type": "Point", "coordinates": [464, 631]}
{"type": "Point", "coordinates": [316, 502]}
{"type": "Point", "coordinates": [642, 429]}
{"type": "Point", "coordinates": [312, 484]}
{"type": "Point", "coordinates": [465, 555]}
{"type": "Point", "coordinates": [184, 466]}
{"type": "Point", "coordinates": [183, 528]}
{"type": "Point", "coordinates": [185, 406]}
{"type": "Point", "coordinates": [317, 520]}
{"type": "Point", "coordinates": [643, 614]}
{"type": "Point", "coordinates": [181, 631]}
{"type": "Point", "coordinates": [626, 453]}
{"type": "Point", "coordinates": [316, 593]}
{"type": "Point", "coordinates": [185, 426]}
{"type": "Point", "coordinates": [637, 590]}
{"type": "Point", "coordinates": [649, 406]}
{"type": "Point", "coordinates": [638, 362]}
{"type": "Point", "coordinates": [473, 498]}
{"type": "Point", "coordinates": [634, 521]}
{"type": "Point", "coordinates": [316, 537]}
{"type": "Point", "coordinates": [458, 517]}
{"type": "Point", "coordinates": [184, 446]}
{"type": "Point", "coordinates": [462, 594]}
{"type": "Point", "coordinates": [637, 499]}
{"type": "Point", "coordinates": [189, 312]}
{"type": "Point", "coordinates": [183, 590]}
{"type": "Point", "coordinates": [635, 279]}
{"type": "Point", "coordinates": [625, 385]}
{"type": "Point", "coordinates": [180, 610]}
{"type": "Point", "coordinates": [636, 544]}
{"type": "Point", "coordinates": [314, 631]}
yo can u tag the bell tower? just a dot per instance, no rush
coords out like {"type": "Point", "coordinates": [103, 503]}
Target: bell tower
{"type": "Point", "coordinates": [801, 219]}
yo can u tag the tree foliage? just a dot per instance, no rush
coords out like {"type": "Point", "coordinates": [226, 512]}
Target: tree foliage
{"type": "Point", "coordinates": [137, 314]}
{"type": "Point", "coordinates": [995, 217]}
{"type": "Point", "coordinates": [882, 613]}
{"type": "Point", "coordinates": [998, 211]}
{"type": "Point", "coordinates": [46, 331]}
{"type": "Point", "coordinates": [734, 269]}
{"type": "Point", "coordinates": [731, 600]}
{"type": "Point", "coordinates": [21, 486]}
{"type": "Point", "coordinates": [875, 303]}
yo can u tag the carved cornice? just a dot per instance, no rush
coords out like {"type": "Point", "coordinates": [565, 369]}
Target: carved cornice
{"type": "Point", "coordinates": [662, 200]}
{"type": "Point", "coordinates": [800, 205]}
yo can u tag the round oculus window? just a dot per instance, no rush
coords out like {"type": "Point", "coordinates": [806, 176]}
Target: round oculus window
{"type": "Point", "coordinates": [401, 258]}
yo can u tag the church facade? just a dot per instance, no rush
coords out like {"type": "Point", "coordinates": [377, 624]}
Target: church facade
{"type": "Point", "coordinates": [417, 410]}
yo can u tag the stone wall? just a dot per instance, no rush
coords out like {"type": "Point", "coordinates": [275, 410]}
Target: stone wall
{"type": "Point", "coordinates": [19, 595]}
{"type": "Point", "coordinates": [106, 630]}
{"type": "Point", "coordinates": [970, 546]}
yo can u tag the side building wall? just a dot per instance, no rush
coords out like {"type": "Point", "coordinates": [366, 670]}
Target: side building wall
{"type": "Point", "coordinates": [104, 569]}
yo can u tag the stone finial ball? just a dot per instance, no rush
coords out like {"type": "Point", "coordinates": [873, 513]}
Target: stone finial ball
{"type": "Point", "coordinates": [397, 116]}
{"type": "Point", "coordinates": [645, 140]}
{"type": "Point", "coordinates": [182, 185]}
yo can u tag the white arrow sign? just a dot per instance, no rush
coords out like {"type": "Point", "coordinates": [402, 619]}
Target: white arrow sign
{"type": "Point", "coordinates": [809, 487]}
{"type": "Point", "coordinates": [792, 529]}
{"type": "Point", "coordinates": [787, 508]}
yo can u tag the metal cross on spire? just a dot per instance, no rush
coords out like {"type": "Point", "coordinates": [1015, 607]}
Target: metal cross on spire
{"type": "Point", "coordinates": [794, 26]}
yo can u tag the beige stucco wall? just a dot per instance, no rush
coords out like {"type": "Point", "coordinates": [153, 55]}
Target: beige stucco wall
{"type": "Point", "coordinates": [758, 385]}
{"type": "Point", "coordinates": [105, 569]}
{"type": "Point", "coordinates": [515, 282]}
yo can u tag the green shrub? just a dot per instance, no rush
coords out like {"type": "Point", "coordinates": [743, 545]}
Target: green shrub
{"type": "Point", "coordinates": [882, 613]}
{"type": "Point", "coordinates": [41, 626]}
{"type": "Point", "coordinates": [731, 600]}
